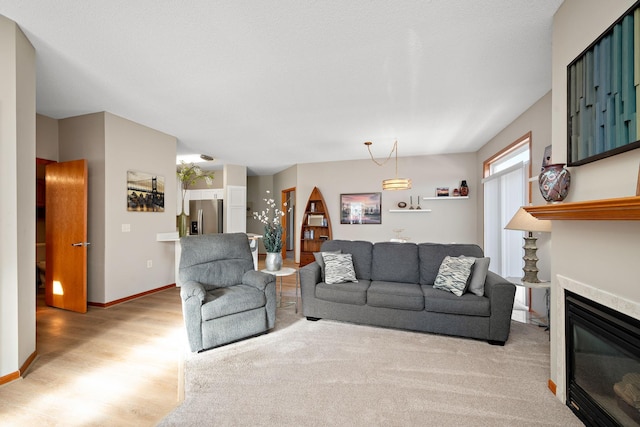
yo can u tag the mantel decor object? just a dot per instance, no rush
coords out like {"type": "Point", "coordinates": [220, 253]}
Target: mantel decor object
{"type": "Point", "coordinates": [554, 182]}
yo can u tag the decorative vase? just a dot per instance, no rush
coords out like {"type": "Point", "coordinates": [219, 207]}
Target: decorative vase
{"type": "Point", "coordinates": [183, 222]}
{"type": "Point", "coordinates": [273, 262]}
{"type": "Point", "coordinates": [554, 182]}
{"type": "Point", "coordinates": [464, 188]}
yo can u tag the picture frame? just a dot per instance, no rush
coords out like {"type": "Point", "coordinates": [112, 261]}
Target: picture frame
{"type": "Point", "coordinates": [602, 112]}
{"type": "Point", "coordinates": [361, 208]}
{"type": "Point", "coordinates": [145, 192]}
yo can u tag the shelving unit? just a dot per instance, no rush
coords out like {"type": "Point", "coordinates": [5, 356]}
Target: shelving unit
{"type": "Point", "coordinates": [316, 227]}
{"type": "Point", "coordinates": [409, 210]}
{"type": "Point", "coordinates": [446, 198]}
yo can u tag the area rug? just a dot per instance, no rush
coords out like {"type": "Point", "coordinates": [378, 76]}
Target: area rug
{"type": "Point", "coordinates": [329, 373]}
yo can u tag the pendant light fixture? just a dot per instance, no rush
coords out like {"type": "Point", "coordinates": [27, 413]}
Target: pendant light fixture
{"type": "Point", "coordinates": [391, 183]}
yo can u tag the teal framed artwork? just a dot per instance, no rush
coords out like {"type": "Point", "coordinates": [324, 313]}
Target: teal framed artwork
{"type": "Point", "coordinates": [603, 93]}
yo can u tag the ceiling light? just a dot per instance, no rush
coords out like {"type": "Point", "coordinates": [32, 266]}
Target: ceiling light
{"type": "Point", "coordinates": [391, 183]}
{"type": "Point", "coordinates": [193, 158]}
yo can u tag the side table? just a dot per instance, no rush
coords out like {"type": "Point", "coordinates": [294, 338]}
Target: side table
{"type": "Point", "coordinates": [540, 285]}
{"type": "Point", "coordinates": [286, 271]}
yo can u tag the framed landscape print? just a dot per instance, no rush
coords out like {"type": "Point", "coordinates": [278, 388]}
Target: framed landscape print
{"type": "Point", "coordinates": [361, 208]}
{"type": "Point", "coordinates": [145, 192]}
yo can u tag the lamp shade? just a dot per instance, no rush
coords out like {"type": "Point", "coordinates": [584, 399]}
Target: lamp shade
{"type": "Point", "coordinates": [524, 221]}
{"type": "Point", "coordinates": [396, 184]}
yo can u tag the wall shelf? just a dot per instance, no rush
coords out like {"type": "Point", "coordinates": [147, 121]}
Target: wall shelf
{"type": "Point", "coordinates": [409, 210]}
{"type": "Point", "coordinates": [446, 198]}
{"type": "Point", "coordinates": [619, 209]}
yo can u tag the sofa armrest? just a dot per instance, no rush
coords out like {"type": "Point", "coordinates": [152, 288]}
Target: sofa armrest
{"type": "Point", "coordinates": [257, 279]}
{"type": "Point", "coordinates": [310, 276]}
{"type": "Point", "coordinates": [192, 289]}
{"type": "Point", "coordinates": [501, 294]}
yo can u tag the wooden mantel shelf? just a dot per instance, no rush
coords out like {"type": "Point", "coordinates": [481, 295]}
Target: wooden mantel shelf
{"type": "Point", "coordinates": [620, 209]}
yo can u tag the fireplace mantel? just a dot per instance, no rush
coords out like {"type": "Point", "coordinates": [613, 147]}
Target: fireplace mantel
{"type": "Point", "coordinates": [619, 209]}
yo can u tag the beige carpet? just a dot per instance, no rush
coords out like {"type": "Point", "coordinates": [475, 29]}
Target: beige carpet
{"type": "Point", "coordinates": [329, 373]}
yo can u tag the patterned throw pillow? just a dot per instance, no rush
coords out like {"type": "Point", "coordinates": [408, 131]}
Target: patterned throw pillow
{"type": "Point", "coordinates": [454, 274]}
{"type": "Point", "coordinates": [338, 268]}
{"type": "Point", "coordinates": [320, 260]}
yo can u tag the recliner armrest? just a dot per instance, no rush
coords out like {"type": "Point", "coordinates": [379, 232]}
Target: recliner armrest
{"type": "Point", "coordinates": [257, 279]}
{"type": "Point", "coordinates": [192, 289]}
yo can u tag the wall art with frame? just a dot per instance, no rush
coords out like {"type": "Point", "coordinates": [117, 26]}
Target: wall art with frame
{"type": "Point", "coordinates": [145, 192]}
{"type": "Point", "coordinates": [361, 208]}
{"type": "Point", "coordinates": [603, 93]}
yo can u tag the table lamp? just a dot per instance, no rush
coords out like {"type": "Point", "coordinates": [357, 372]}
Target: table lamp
{"type": "Point", "coordinates": [524, 221]}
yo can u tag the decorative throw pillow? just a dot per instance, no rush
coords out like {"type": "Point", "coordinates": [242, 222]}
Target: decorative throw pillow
{"type": "Point", "coordinates": [478, 276]}
{"type": "Point", "coordinates": [320, 261]}
{"type": "Point", "coordinates": [338, 268]}
{"type": "Point", "coordinates": [453, 274]}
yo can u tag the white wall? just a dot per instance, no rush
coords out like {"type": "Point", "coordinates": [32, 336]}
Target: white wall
{"type": "Point", "coordinates": [17, 192]}
{"type": "Point", "coordinates": [46, 138]}
{"type": "Point", "coordinates": [131, 146]}
{"type": "Point", "coordinates": [82, 137]}
{"type": "Point", "coordinates": [117, 261]}
{"type": "Point", "coordinates": [601, 254]}
{"type": "Point", "coordinates": [449, 221]}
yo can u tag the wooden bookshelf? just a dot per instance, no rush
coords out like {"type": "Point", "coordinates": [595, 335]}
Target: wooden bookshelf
{"type": "Point", "coordinates": [316, 227]}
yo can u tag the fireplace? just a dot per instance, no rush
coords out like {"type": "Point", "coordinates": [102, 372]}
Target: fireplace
{"type": "Point", "coordinates": [603, 363]}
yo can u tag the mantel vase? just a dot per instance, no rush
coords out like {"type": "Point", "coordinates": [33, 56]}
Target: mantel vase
{"type": "Point", "coordinates": [554, 182]}
{"type": "Point", "coordinates": [273, 262]}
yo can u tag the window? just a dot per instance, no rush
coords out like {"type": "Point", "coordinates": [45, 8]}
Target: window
{"type": "Point", "coordinates": [505, 190]}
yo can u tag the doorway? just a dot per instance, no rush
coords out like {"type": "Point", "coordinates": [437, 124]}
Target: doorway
{"type": "Point", "coordinates": [288, 198]}
{"type": "Point", "coordinates": [41, 230]}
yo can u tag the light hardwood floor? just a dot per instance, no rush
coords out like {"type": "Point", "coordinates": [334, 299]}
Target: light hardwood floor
{"type": "Point", "coordinates": [118, 366]}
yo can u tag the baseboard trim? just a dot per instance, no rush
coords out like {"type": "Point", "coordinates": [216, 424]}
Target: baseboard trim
{"type": "Point", "coordinates": [552, 387]}
{"type": "Point", "coordinates": [19, 373]}
{"type": "Point", "coordinates": [9, 377]}
{"type": "Point", "coordinates": [129, 298]}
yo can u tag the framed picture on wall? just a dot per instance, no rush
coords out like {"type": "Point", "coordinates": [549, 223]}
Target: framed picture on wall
{"type": "Point", "coordinates": [602, 105]}
{"type": "Point", "coordinates": [361, 208]}
{"type": "Point", "coordinates": [145, 192]}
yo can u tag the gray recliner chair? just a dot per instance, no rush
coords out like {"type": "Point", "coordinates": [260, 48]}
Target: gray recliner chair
{"type": "Point", "coordinates": [223, 298]}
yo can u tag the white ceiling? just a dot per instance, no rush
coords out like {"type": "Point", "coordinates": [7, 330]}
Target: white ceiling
{"type": "Point", "coordinates": [272, 83]}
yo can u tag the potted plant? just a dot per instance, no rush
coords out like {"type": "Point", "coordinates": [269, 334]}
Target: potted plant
{"type": "Point", "coordinates": [272, 238]}
{"type": "Point", "coordinates": [189, 174]}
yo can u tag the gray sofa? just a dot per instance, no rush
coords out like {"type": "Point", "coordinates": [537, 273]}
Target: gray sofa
{"type": "Point", "coordinates": [395, 289]}
{"type": "Point", "coordinates": [223, 298]}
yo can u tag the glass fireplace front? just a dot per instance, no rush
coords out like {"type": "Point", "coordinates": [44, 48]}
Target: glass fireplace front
{"type": "Point", "coordinates": [603, 363]}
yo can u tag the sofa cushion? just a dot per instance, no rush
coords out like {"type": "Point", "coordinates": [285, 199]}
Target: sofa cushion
{"type": "Point", "coordinates": [338, 268]}
{"type": "Point", "coordinates": [432, 254]}
{"type": "Point", "coordinates": [224, 301]}
{"type": "Point", "coordinates": [440, 301]}
{"type": "Point", "coordinates": [478, 276]}
{"type": "Point", "coordinates": [395, 262]}
{"type": "Point", "coordinates": [360, 254]}
{"type": "Point", "coordinates": [345, 293]}
{"type": "Point", "coordinates": [405, 296]}
{"type": "Point", "coordinates": [454, 273]}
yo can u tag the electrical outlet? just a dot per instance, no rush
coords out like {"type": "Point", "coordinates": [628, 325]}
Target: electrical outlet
{"type": "Point", "coordinates": [149, 263]}
{"type": "Point", "coordinates": [126, 228]}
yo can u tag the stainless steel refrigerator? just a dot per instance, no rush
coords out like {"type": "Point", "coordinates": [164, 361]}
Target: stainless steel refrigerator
{"type": "Point", "coordinates": [206, 216]}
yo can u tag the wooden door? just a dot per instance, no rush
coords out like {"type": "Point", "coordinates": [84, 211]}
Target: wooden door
{"type": "Point", "coordinates": [66, 235]}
